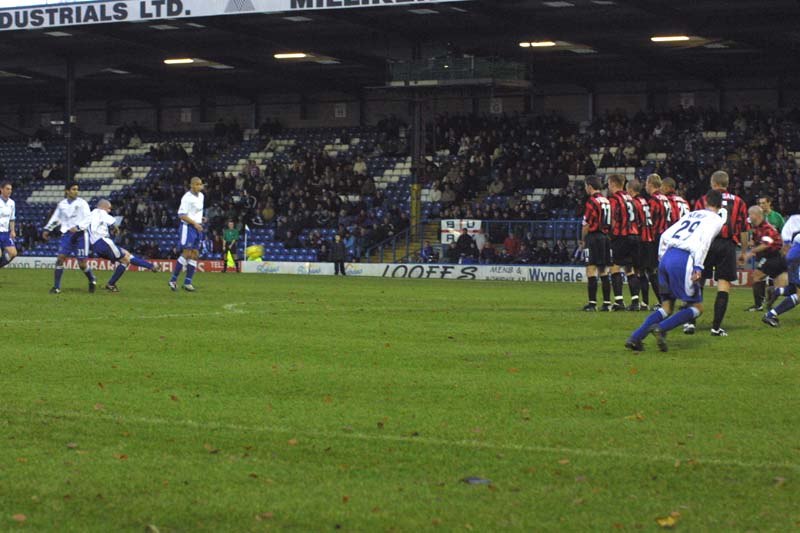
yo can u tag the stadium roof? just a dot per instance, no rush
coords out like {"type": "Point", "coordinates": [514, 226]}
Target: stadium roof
{"type": "Point", "coordinates": [595, 41]}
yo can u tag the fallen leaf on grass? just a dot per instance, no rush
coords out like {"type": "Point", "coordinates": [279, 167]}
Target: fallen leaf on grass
{"type": "Point", "coordinates": [19, 517]}
{"type": "Point", "coordinates": [327, 399]}
{"type": "Point", "coordinates": [121, 456]}
{"type": "Point", "coordinates": [670, 521]}
{"type": "Point", "coordinates": [72, 445]}
{"type": "Point", "coordinates": [633, 371]}
{"type": "Point", "coordinates": [101, 385]}
{"type": "Point", "coordinates": [779, 481]}
{"type": "Point", "coordinates": [151, 528]}
{"type": "Point", "coordinates": [292, 442]}
{"type": "Point", "coordinates": [99, 407]}
{"type": "Point", "coordinates": [513, 370]}
{"type": "Point", "coordinates": [564, 461]}
{"type": "Point", "coordinates": [264, 516]}
{"type": "Point", "coordinates": [210, 449]}
{"type": "Point", "coordinates": [635, 416]}
{"type": "Point", "coordinates": [22, 459]}
{"type": "Point", "coordinates": [345, 499]}
{"type": "Point", "coordinates": [173, 397]}
{"type": "Point", "coordinates": [253, 475]}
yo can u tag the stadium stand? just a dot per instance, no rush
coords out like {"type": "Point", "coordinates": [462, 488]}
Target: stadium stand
{"type": "Point", "coordinates": [294, 189]}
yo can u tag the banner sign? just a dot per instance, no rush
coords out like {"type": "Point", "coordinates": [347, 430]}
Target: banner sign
{"type": "Point", "coordinates": [528, 273]}
{"type": "Point", "coordinates": [71, 263]}
{"type": "Point", "coordinates": [451, 229]}
{"type": "Point", "coordinates": [49, 14]}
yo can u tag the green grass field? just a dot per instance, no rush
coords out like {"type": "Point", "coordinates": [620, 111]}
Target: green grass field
{"type": "Point", "coordinates": [320, 404]}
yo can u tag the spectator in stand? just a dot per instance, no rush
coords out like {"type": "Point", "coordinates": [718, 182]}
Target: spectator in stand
{"type": "Point", "coordinates": [452, 254]}
{"type": "Point", "coordinates": [479, 238]}
{"type": "Point", "coordinates": [464, 242]}
{"type": "Point", "coordinates": [511, 245]}
{"type": "Point", "coordinates": [525, 255]}
{"type": "Point", "coordinates": [561, 254]}
{"type": "Point", "coordinates": [488, 254]}
{"type": "Point", "coordinates": [427, 254]}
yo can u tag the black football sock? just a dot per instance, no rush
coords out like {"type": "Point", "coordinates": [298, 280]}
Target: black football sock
{"type": "Point", "coordinates": [654, 283]}
{"type": "Point", "coordinates": [633, 286]}
{"type": "Point", "coordinates": [616, 284]}
{"type": "Point", "coordinates": [758, 292]}
{"type": "Point", "coordinates": [720, 306]}
{"type": "Point", "coordinates": [643, 287]}
{"type": "Point", "coordinates": [592, 283]}
{"type": "Point", "coordinates": [606, 284]}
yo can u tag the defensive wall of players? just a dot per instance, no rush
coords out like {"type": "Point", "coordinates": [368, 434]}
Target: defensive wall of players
{"type": "Point", "coordinates": [526, 273]}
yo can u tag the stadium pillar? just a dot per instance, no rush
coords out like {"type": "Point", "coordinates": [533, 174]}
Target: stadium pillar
{"type": "Point", "coordinates": [69, 119]}
{"type": "Point", "coordinates": [416, 164]}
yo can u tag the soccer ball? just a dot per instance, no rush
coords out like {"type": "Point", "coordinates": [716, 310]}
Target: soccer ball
{"type": "Point", "coordinates": [254, 252]}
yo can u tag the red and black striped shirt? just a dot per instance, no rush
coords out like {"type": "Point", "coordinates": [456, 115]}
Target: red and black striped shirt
{"type": "Point", "coordinates": [623, 215]}
{"type": "Point", "coordinates": [733, 213]}
{"type": "Point", "coordinates": [679, 207]}
{"type": "Point", "coordinates": [597, 214]}
{"type": "Point", "coordinates": [765, 233]}
{"type": "Point", "coordinates": [661, 211]}
{"type": "Point", "coordinates": [646, 229]}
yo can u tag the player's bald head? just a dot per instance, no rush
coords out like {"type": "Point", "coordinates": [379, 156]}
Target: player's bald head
{"type": "Point", "coordinates": [104, 204]}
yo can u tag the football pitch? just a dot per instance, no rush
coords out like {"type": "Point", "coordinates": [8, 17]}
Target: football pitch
{"type": "Point", "coordinates": [319, 404]}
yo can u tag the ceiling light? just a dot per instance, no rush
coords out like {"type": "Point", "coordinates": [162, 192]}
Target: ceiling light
{"type": "Point", "coordinates": [291, 55]}
{"type": "Point", "coordinates": [583, 50]}
{"type": "Point", "coordinates": [58, 34]}
{"type": "Point", "coordinates": [115, 70]}
{"type": "Point", "coordinates": [179, 61]}
{"type": "Point", "coordinates": [525, 45]}
{"type": "Point", "coordinates": [163, 27]}
{"type": "Point", "coordinates": [559, 4]}
{"type": "Point", "coordinates": [669, 38]}
{"type": "Point", "coordinates": [298, 19]}
{"type": "Point", "coordinates": [423, 11]}
{"type": "Point", "coordinates": [195, 25]}
{"type": "Point", "coordinates": [542, 44]}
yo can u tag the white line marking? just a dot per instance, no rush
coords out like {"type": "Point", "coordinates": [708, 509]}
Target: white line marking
{"type": "Point", "coordinates": [234, 308]}
{"type": "Point", "coordinates": [470, 444]}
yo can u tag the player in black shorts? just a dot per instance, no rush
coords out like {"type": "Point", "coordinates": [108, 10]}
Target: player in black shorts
{"type": "Point", "coordinates": [769, 262]}
{"type": "Point", "coordinates": [594, 242]}
{"type": "Point", "coordinates": [721, 259]}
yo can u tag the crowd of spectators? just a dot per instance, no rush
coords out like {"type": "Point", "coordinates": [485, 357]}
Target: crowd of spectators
{"type": "Point", "coordinates": [486, 169]}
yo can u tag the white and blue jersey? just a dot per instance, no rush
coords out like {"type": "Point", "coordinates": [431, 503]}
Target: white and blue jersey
{"type": "Point", "coordinates": [71, 214]}
{"type": "Point", "coordinates": [8, 214]}
{"type": "Point", "coordinates": [791, 235]}
{"type": "Point", "coordinates": [100, 237]}
{"type": "Point", "coordinates": [192, 207]}
{"type": "Point", "coordinates": [682, 252]}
